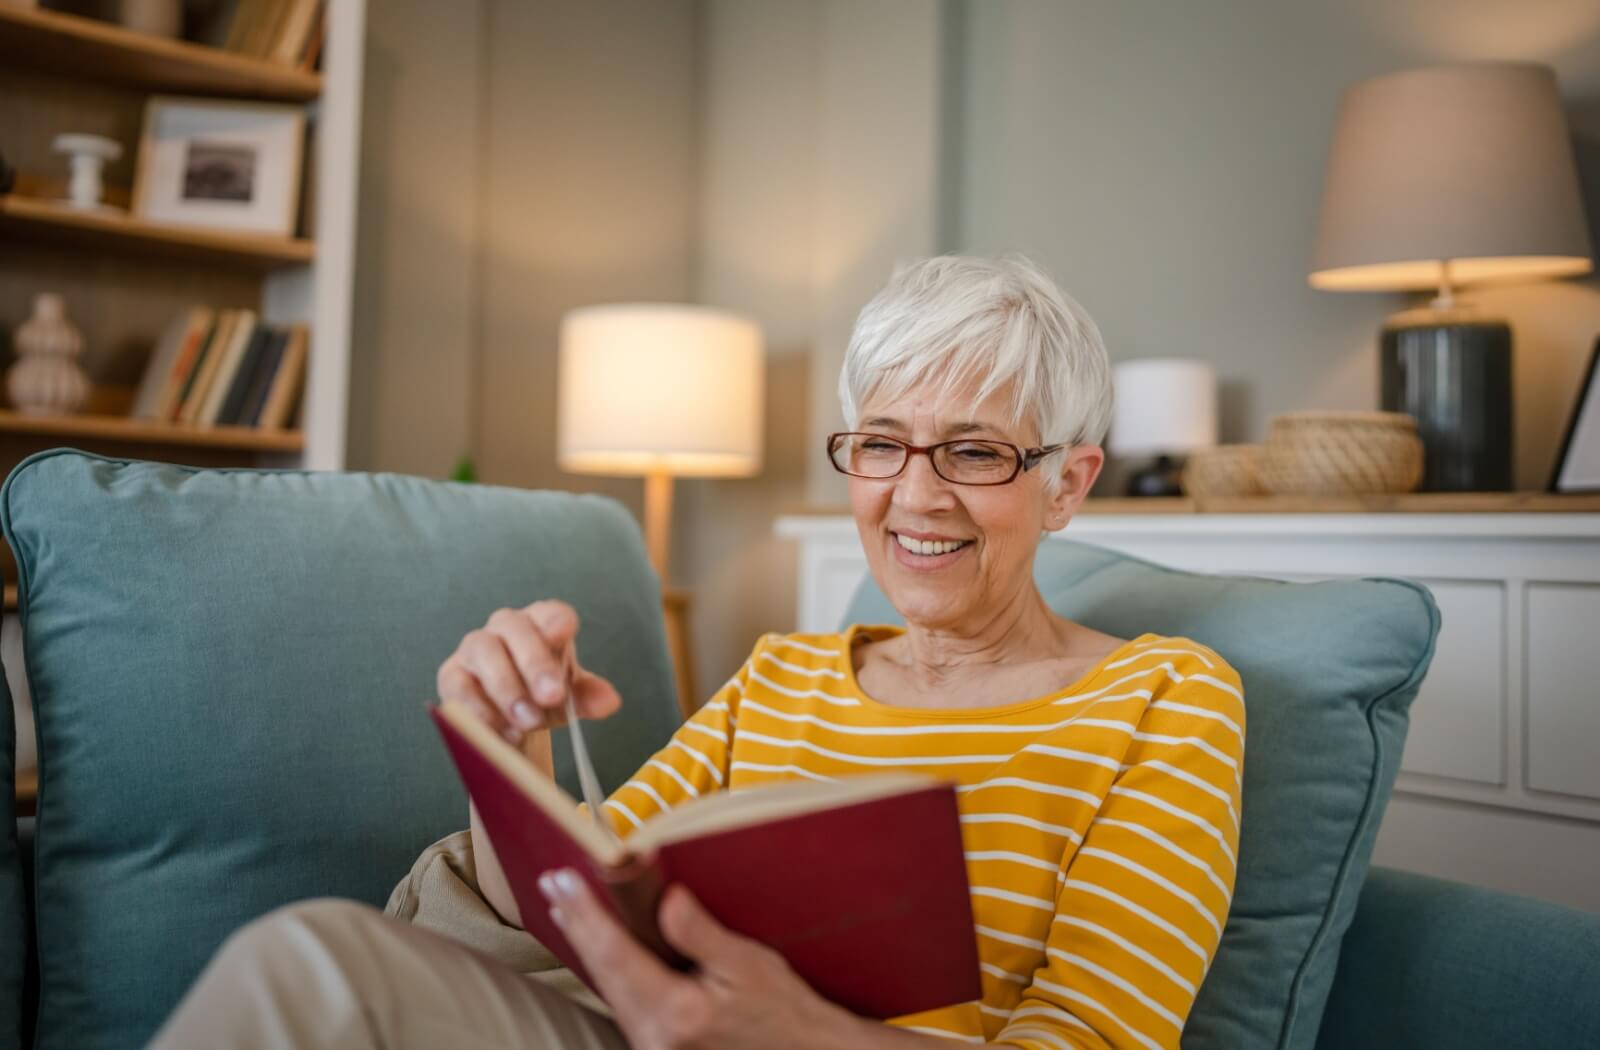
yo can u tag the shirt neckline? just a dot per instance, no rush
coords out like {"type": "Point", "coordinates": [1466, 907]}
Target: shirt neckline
{"type": "Point", "coordinates": [879, 632]}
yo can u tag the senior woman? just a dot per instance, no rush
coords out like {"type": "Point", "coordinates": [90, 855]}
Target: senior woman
{"type": "Point", "coordinates": [1098, 777]}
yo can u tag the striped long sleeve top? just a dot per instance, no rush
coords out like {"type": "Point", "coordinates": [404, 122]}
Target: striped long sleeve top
{"type": "Point", "coordinates": [1100, 822]}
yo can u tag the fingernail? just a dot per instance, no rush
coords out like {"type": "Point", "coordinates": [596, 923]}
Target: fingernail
{"type": "Point", "coordinates": [547, 690]}
{"type": "Point", "coordinates": [557, 916]}
{"type": "Point", "coordinates": [524, 715]}
{"type": "Point", "coordinates": [547, 886]}
{"type": "Point", "coordinates": [567, 882]}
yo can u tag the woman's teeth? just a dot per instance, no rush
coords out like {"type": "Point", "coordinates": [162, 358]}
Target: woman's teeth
{"type": "Point", "coordinates": [929, 546]}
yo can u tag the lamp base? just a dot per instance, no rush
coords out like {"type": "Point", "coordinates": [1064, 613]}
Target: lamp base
{"type": "Point", "coordinates": [1159, 479]}
{"type": "Point", "coordinates": [1453, 374]}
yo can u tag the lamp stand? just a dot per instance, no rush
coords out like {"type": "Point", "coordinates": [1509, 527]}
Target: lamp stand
{"type": "Point", "coordinates": [674, 602]}
{"type": "Point", "coordinates": [658, 520]}
{"type": "Point", "coordinates": [1451, 369]}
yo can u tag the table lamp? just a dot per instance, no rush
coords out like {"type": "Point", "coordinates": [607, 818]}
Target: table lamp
{"type": "Point", "coordinates": [659, 390]}
{"type": "Point", "coordinates": [1163, 407]}
{"type": "Point", "coordinates": [1438, 178]}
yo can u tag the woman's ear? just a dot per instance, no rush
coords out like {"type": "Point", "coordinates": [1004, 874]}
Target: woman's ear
{"type": "Point", "coordinates": [1080, 466]}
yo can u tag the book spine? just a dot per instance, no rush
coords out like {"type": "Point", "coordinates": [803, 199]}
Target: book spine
{"type": "Point", "coordinates": [261, 383]}
{"type": "Point", "coordinates": [244, 376]}
{"type": "Point", "coordinates": [205, 367]}
{"type": "Point", "coordinates": [211, 407]}
{"type": "Point", "coordinates": [278, 410]}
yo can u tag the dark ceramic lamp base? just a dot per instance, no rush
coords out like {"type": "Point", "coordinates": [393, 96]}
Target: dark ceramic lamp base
{"type": "Point", "coordinates": [1455, 378]}
{"type": "Point", "coordinates": [1159, 479]}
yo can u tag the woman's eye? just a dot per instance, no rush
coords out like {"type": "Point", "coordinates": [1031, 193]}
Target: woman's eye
{"type": "Point", "coordinates": [976, 453]}
{"type": "Point", "coordinates": [880, 446]}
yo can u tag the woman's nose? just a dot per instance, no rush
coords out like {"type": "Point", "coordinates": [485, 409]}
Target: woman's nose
{"type": "Point", "coordinates": [919, 486]}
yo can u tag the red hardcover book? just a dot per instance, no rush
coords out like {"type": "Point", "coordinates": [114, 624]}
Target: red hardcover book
{"type": "Point", "coordinates": [861, 884]}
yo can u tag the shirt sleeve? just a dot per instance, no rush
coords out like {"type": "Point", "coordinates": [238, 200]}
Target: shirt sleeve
{"type": "Point", "coordinates": [1141, 903]}
{"type": "Point", "coordinates": [694, 762]}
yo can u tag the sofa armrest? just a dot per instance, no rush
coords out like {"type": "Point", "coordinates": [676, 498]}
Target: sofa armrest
{"type": "Point", "coordinates": [1430, 963]}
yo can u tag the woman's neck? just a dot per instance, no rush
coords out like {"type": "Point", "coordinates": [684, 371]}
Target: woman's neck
{"type": "Point", "coordinates": [1022, 632]}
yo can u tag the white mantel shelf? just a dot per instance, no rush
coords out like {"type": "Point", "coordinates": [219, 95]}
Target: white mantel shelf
{"type": "Point", "coordinates": [1510, 713]}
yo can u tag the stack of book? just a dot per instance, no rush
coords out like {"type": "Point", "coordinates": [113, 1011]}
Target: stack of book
{"type": "Point", "coordinates": [224, 368]}
{"type": "Point", "coordinates": [286, 31]}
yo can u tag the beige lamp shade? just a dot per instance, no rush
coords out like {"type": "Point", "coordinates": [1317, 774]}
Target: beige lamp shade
{"type": "Point", "coordinates": [650, 388]}
{"type": "Point", "coordinates": [1470, 164]}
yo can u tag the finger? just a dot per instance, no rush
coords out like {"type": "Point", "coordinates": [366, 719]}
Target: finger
{"type": "Point", "coordinates": [457, 686]}
{"type": "Point", "coordinates": [629, 974]}
{"type": "Point", "coordinates": [696, 933]}
{"type": "Point", "coordinates": [540, 665]}
{"type": "Point", "coordinates": [557, 625]}
{"type": "Point", "coordinates": [484, 655]}
{"type": "Point", "coordinates": [556, 620]}
{"type": "Point", "coordinates": [596, 697]}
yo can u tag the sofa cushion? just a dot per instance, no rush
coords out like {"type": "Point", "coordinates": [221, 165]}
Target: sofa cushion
{"type": "Point", "coordinates": [1329, 670]}
{"type": "Point", "coordinates": [229, 670]}
{"type": "Point", "coordinates": [13, 928]}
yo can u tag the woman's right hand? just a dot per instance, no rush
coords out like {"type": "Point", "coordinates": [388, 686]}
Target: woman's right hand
{"type": "Point", "coordinates": [513, 671]}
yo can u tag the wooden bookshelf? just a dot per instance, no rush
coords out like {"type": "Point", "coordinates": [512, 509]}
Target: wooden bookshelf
{"type": "Point", "coordinates": [84, 48]}
{"type": "Point", "coordinates": [143, 431]}
{"type": "Point", "coordinates": [11, 597]}
{"type": "Point", "coordinates": [41, 219]}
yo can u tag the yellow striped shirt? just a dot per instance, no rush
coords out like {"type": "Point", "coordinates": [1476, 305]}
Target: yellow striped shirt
{"type": "Point", "coordinates": [1100, 822]}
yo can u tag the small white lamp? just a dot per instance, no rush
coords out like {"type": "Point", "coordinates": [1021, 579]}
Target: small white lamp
{"type": "Point", "coordinates": [1164, 407]}
{"type": "Point", "coordinates": [660, 390]}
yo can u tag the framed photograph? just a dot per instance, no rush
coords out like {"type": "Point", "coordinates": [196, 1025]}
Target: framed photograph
{"type": "Point", "coordinates": [1578, 465]}
{"type": "Point", "coordinates": [220, 164]}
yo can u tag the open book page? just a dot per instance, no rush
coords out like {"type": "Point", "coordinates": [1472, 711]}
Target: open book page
{"type": "Point", "coordinates": [708, 814]}
{"type": "Point", "coordinates": [727, 810]}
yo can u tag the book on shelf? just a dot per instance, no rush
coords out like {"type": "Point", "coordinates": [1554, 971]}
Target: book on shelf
{"type": "Point", "coordinates": [281, 31]}
{"type": "Point", "coordinates": [216, 390]}
{"type": "Point", "coordinates": [205, 367]}
{"type": "Point", "coordinates": [223, 367]}
{"type": "Point", "coordinates": [860, 883]}
{"type": "Point", "coordinates": [283, 393]}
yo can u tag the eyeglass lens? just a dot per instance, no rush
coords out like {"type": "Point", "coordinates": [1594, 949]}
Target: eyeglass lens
{"type": "Point", "coordinates": [964, 462]}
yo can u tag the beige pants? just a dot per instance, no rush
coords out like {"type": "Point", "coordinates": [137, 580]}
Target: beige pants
{"type": "Point", "coordinates": [334, 973]}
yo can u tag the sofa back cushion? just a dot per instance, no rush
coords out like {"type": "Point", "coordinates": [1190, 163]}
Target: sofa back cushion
{"type": "Point", "coordinates": [13, 928]}
{"type": "Point", "coordinates": [229, 670]}
{"type": "Point", "coordinates": [1329, 671]}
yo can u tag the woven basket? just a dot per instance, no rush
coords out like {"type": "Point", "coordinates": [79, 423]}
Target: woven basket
{"type": "Point", "coordinates": [1341, 454]}
{"type": "Point", "coordinates": [1224, 471]}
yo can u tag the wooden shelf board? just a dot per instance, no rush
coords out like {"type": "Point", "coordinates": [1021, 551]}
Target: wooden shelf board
{"type": "Point", "coordinates": [11, 597]}
{"type": "Point", "coordinates": [122, 428]}
{"type": "Point", "coordinates": [26, 216]}
{"type": "Point", "coordinates": [84, 48]}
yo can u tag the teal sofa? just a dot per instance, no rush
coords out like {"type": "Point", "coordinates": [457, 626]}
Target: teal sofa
{"type": "Point", "coordinates": [228, 670]}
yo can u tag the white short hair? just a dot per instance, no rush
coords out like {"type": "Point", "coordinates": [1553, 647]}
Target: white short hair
{"type": "Point", "coordinates": [957, 320]}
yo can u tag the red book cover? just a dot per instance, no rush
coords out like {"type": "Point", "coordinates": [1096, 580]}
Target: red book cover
{"type": "Point", "coordinates": [867, 899]}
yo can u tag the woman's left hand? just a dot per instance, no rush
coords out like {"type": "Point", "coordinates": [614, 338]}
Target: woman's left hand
{"type": "Point", "coordinates": [742, 994]}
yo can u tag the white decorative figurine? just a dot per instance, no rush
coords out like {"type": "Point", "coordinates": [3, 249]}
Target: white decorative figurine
{"type": "Point", "coordinates": [46, 379]}
{"type": "Point", "coordinates": [89, 155]}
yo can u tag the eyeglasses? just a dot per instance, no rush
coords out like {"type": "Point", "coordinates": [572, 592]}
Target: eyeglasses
{"type": "Point", "coordinates": [965, 462]}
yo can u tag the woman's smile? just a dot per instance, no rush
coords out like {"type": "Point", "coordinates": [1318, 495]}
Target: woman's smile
{"type": "Point", "coordinates": [921, 552]}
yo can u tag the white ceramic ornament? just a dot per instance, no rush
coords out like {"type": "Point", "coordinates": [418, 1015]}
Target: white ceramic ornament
{"type": "Point", "coordinates": [46, 379]}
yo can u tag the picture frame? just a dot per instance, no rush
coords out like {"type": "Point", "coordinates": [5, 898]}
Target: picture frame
{"type": "Point", "coordinates": [220, 164]}
{"type": "Point", "coordinates": [1578, 463]}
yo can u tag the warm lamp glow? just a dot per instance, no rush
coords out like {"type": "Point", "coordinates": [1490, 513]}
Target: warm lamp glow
{"type": "Point", "coordinates": [1428, 274]}
{"type": "Point", "coordinates": [658, 388]}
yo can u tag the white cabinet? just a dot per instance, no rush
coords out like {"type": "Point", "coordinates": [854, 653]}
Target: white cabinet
{"type": "Point", "coordinates": [1508, 721]}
